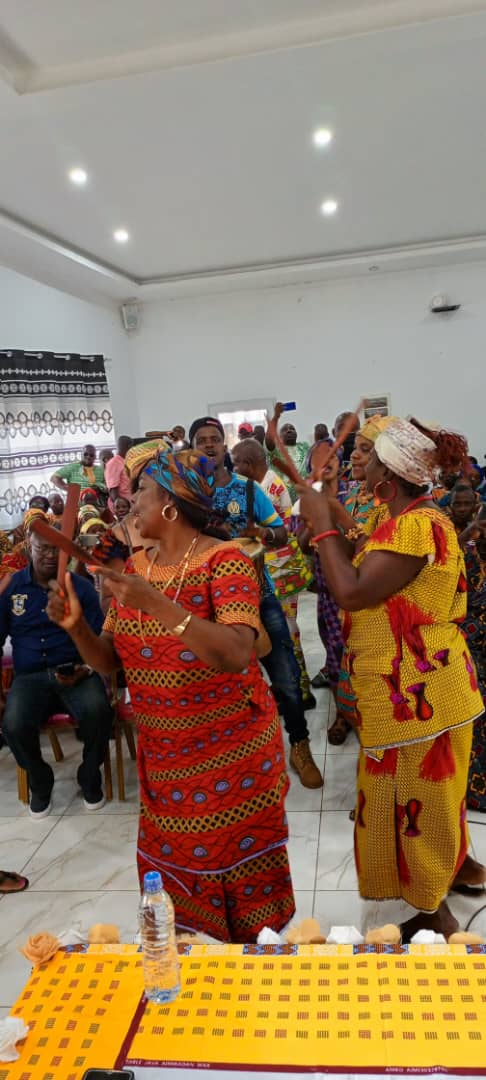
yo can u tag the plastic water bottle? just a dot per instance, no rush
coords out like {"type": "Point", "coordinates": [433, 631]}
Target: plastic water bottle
{"type": "Point", "coordinates": [157, 930]}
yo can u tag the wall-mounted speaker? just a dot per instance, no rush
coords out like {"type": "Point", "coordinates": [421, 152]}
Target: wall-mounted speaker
{"type": "Point", "coordinates": [130, 313]}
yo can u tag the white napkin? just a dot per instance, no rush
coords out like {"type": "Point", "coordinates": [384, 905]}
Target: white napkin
{"type": "Point", "coordinates": [11, 1030]}
{"type": "Point", "coordinates": [427, 937]}
{"type": "Point", "coordinates": [72, 937]}
{"type": "Point", "coordinates": [344, 935]}
{"type": "Point", "coordinates": [268, 937]}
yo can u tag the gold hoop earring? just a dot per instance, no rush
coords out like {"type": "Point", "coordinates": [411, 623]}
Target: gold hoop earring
{"type": "Point", "coordinates": [165, 512]}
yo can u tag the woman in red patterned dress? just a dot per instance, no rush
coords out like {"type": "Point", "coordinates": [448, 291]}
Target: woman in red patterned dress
{"type": "Point", "coordinates": [210, 755]}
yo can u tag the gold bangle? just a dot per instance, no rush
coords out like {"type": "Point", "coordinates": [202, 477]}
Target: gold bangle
{"type": "Point", "coordinates": [354, 533]}
{"type": "Point", "coordinates": [182, 626]}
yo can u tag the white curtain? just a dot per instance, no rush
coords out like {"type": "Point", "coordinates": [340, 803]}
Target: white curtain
{"type": "Point", "coordinates": [51, 405]}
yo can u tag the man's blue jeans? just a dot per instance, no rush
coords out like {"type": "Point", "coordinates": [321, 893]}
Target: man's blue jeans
{"type": "Point", "coordinates": [31, 700]}
{"type": "Point", "coordinates": [283, 669]}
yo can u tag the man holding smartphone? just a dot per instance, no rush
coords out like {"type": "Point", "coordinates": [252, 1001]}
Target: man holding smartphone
{"type": "Point", "coordinates": [50, 677]}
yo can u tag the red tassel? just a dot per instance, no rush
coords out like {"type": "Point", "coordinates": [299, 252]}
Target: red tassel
{"type": "Point", "coordinates": [412, 811]}
{"type": "Point", "coordinates": [401, 710]}
{"type": "Point", "coordinates": [443, 657]}
{"type": "Point", "coordinates": [386, 767]}
{"type": "Point", "coordinates": [346, 626]}
{"type": "Point", "coordinates": [471, 671]}
{"type": "Point", "coordinates": [385, 532]}
{"type": "Point", "coordinates": [440, 541]}
{"type": "Point", "coordinates": [463, 844]}
{"type": "Point", "coordinates": [439, 763]}
{"type": "Point", "coordinates": [423, 708]}
{"type": "Point", "coordinates": [402, 865]}
{"type": "Point", "coordinates": [360, 807]}
{"type": "Point", "coordinates": [405, 621]}
{"type": "Point", "coordinates": [462, 583]}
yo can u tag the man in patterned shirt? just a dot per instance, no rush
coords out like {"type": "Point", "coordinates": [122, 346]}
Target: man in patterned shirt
{"type": "Point", "coordinates": [84, 472]}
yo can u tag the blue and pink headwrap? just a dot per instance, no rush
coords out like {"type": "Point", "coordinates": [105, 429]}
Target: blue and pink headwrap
{"type": "Point", "coordinates": [187, 475]}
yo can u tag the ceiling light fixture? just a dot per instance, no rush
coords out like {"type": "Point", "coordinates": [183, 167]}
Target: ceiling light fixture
{"type": "Point", "coordinates": [329, 207]}
{"type": "Point", "coordinates": [322, 137]}
{"type": "Point", "coordinates": [78, 176]}
{"type": "Point", "coordinates": [121, 236]}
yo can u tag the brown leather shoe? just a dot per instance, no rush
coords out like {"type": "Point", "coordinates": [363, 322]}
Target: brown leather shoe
{"type": "Point", "coordinates": [303, 763]}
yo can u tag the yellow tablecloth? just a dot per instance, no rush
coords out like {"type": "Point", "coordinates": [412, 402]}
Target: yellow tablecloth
{"type": "Point", "coordinates": [318, 1007]}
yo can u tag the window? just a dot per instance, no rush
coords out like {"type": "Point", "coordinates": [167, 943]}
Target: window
{"type": "Point", "coordinates": [233, 413]}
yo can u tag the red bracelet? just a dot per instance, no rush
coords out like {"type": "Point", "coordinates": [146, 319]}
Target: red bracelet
{"type": "Point", "coordinates": [323, 535]}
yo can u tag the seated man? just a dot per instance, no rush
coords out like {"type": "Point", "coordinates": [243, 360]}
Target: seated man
{"type": "Point", "coordinates": [41, 687]}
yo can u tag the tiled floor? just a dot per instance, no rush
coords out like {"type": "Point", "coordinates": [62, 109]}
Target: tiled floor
{"type": "Point", "coordinates": [82, 867]}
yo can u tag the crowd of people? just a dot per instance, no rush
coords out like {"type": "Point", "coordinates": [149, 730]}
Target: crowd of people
{"type": "Point", "coordinates": [192, 603]}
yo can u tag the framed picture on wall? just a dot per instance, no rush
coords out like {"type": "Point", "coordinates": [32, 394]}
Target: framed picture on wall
{"type": "Point", "coordinates": [377, 405]}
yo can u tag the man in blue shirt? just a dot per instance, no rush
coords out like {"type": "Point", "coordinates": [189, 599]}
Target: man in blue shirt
{"type": "Point", "coordinates": [40, 687]}
{"type": "Point", "coordinates": [231, 504]}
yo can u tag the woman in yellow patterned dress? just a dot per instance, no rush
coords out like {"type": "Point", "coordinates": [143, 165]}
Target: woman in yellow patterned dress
{"type": "Point", "coordinates": [403, 593]}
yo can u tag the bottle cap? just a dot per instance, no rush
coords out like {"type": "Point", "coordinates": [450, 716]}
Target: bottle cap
{"type": "Point", "coordinates": [152, 882]}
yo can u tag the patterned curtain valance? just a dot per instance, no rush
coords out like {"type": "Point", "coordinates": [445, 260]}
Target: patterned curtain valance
{"type": "Point", "coordinates": [51, 405]}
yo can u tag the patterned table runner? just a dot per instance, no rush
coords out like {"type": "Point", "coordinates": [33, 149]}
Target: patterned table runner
{"type": "Point", "coordinates": [319, 1008]}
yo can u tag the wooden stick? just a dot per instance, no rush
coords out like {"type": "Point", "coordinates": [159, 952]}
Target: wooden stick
{"type": "Point", "coordinates": [290, 470]}
{"type": "Point", "coordinates": [330, 451]}
{"type": "Point", "coordinates": [67, 547]}
{"type": "Point", "coordinates": [68, 526]}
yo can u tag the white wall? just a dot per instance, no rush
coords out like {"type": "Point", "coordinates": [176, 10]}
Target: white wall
{"type": "Point", "coordinates": [323, 345]}
{"type": "Point", "coordinates": [36, 316]}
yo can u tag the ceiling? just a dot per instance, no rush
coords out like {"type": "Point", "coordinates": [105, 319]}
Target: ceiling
{"type": "Point", "coordinates": [194, 123]}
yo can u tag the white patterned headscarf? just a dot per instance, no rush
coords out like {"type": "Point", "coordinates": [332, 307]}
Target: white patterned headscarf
{"type": "Point", "coordinates": [407, 452]}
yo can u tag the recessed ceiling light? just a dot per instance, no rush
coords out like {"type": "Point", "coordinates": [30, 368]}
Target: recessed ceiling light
{"type": "Point", "coordinates": [329, 207]}
{"type": "Point", "coordinates": [78, 176]}
{"type": "Point", "coordinates": [121, 236]}
{"type": "Point", "coordinates": [322, 137]}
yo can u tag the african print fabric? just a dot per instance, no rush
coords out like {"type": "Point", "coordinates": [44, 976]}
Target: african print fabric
{"type": "Point", "coordinates": [474, 628]}
{"type": "Point", "coordinates": [298, 454]}
{"type": "Point", "coordinates": [367, 512]}
{"type": "Point", "coordinates": [51, 405]}
{"type": "Point", "coordinates": [410, 831]}
{"type": "Point", "coordinates": [410, 667]}
{"type": "Point", "coordinates": [210, 756]}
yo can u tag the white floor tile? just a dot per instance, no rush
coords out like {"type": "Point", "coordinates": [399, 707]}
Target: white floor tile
{"type": "Point", "coordinates": [58, 911]}
{"type": "Point", "coordinates": [351, 746]}
{"type": "Point", "coordinates": [129, 806]}
{"type": "Point", "coordinates": [304, 832]}
{"type": "Point", "coordinates": [339, 907]}
{"type": "Point", "coordinates": [340, 783]}
{"type": "Point", "coordinates": [469, 911]}
{"type": "Point", "coordinates": [304, 902]}
{"type": "Point", "coordinates": [20, 839]}
{"type": "Point", "coordinates": [477, 833]}
{"type": "Point", "coordinates": [87, 852]}
{"type": "Point", "coordinates": [300, 798]}
{"type": "Point", "coordinates": [335, 864]}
